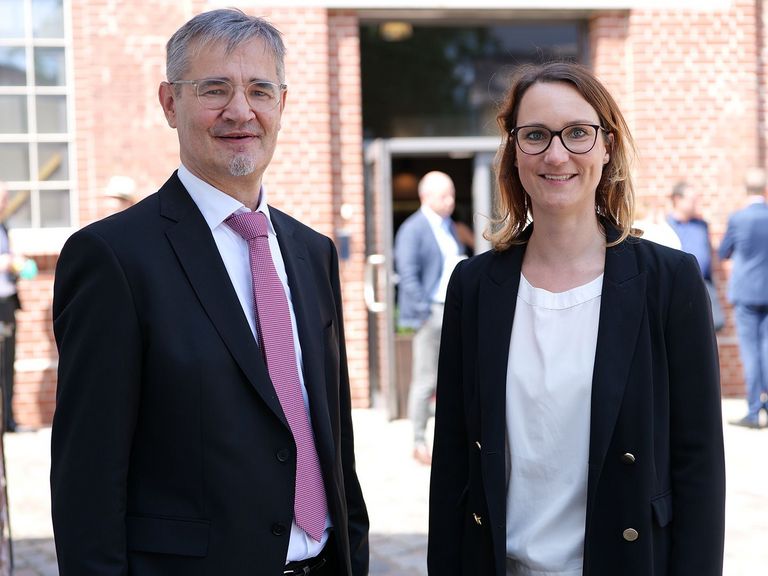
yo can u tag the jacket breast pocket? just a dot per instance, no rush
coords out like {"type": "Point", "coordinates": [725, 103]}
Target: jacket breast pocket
{"type": "Point", "coordinates": [183, 537]}
{"type": "Point", "coordinates": [662, 509]}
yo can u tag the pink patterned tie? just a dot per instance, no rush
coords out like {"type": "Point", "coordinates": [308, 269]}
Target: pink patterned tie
{"type": "Point", "coordinates": [273, 322]}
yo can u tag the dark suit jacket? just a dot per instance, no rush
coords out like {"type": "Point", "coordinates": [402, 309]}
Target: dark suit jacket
{"type": "Point", "coordinates": [419, 263]}
{"type": "Point", "coordinates": [655, 395]}
{"type": "Point", "coordinates": [170, 452]}
{"type": "Point", "coordinates": [746, 239]}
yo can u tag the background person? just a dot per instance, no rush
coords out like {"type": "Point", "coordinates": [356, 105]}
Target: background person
{"type": "Point", "coordinates": [746, 241]}
{"type": "Point", "coordinates": [578, 398]}
{"type": "Point", "coordinates": [199, 428]}
{"type": "Point", "coordinates": [651, 220]}
{"type": "Point", "coordinates": [426, 250]}
{"type": "Point", "coordinates": [120, 193]}
{"type": "Point", "coordinates": [10, 265]}
{"type": "Point", "coordinates": [693, 232]}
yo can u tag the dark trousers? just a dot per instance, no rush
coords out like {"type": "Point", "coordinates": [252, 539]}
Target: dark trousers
{"type": "Point", "coordinates": [752, 329]}
{"type": "Point", "coordinates": [7, 357]}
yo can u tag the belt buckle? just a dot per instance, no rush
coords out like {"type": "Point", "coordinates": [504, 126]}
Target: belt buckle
{"type": "Point", "coordinates": [304, 570]}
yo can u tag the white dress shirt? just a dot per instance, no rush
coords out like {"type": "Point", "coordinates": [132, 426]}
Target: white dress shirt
{"type": "Point", "coordinates": [451, 249]}
{"type": "Point", "coordinates": [216, 206]}
{"type": "Point", "coordinates": [549, 386]}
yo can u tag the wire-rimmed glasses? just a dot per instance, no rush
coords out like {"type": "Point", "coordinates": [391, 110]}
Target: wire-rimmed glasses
{"type": "Point", "coordinates": [217, 93]}
{"type": "Point", "coordinates": [576, 138]}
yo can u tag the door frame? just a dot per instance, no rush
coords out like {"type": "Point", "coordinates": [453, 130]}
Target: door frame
{"type": "Point", "coordinates": [379, 246]}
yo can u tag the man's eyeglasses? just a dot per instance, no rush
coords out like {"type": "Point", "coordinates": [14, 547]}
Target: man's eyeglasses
{"type": "Point", "coordinates": [216, 93]}
{"type": "Point", "coordinates": [576, 138]}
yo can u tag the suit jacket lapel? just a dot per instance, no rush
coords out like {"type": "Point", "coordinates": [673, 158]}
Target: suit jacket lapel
{"type": "Point", "coordinates": [196, 250]}
{"type": "Point", "coordinates": [497, 297]}
{"type": "Point", "coordinates": [310, 326]}
{"type": "Point", "coordinates": [622, 308]}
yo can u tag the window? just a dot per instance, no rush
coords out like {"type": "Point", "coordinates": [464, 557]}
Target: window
{"type": "Point", "coordinates": [35, 134]}
{"type": "Point", "coordinates": [443, 79]}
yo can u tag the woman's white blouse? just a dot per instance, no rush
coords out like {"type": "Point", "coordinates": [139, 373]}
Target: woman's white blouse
{"type": "Point", "coordinates": [549, 384]}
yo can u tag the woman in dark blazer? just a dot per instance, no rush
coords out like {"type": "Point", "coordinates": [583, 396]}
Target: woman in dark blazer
{"type": "Point", "coordinates": [578, 428]}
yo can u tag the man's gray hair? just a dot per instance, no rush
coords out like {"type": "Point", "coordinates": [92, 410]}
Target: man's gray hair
{"type": "Point", "coordinates": [228, 25]}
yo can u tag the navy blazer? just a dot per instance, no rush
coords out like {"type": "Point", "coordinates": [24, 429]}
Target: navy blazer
{"type": "Point", "coordinates": [419, 264]}
{"type": "Point", "coordinates": [746, 239]}
{"type": "Point", "coordinates": [655, 395]}
{"type": "Point", "coordinates": [170, 450]}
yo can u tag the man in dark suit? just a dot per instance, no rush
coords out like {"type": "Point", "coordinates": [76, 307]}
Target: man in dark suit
{"type": "Point", "coordinates": [426, 251]}
{"type": "Point", "coordinates": [746, 240]}
{"type": "Point", "coordinates": [200, 430]}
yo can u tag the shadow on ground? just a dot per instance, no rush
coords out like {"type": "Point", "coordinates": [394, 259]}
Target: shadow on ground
{"type": "Point", "coordinates": [34, 557]}
{"type": "Point", "coordinates": [398, 554]}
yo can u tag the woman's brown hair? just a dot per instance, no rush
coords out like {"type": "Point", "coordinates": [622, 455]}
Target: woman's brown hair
{"type": "Point", "coordinates": [614, 197]}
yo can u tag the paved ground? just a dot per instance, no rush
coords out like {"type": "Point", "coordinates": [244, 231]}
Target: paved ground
{"type": "Point", "coordinates": [396, 490]}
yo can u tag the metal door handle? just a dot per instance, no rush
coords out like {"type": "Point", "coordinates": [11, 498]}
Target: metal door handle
{"type": "Point", "coordinates": [369, 290]}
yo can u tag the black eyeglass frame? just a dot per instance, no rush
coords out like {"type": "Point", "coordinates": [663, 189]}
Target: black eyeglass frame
{"type": "Point", "coordinates": [552, 133]}
{"type": "Point", "coordinates": [280, 89]}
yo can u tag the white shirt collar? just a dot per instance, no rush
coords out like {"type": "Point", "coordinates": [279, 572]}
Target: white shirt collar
{"type": "Point", "coordinates": [432, 217]}
{"type": "Point", "coordinates": [215, 205]}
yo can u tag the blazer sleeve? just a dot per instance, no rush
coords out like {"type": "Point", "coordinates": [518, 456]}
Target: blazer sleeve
{"type": "Point", "coordinates": [696, 430]}
{"type": "Point", "coordinates": [410, 270]}
{"type": "Point", "coordinates": [450, 464]}
{"type": "Point", "coordinates": [358, 523]}
{"type": "Point", "coordinates": [729, 241]}
{"type": "Point", "coordinates": [99, 343]}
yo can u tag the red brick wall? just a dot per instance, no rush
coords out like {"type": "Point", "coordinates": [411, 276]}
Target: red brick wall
{"type": "Point", "coordinates": [346, 123]}
{"type": "Point", "coordinates": [687, 83]}
{"type": "Point", "coordinates": [322, 137]}
{"type": "Point", "coordinates": [119, 61]}
{"type": "Point", "coordinates": [762, 78]}
{"type": "Point", "coordinates": [683, 78]}
{"type": "Point", "coordinates": [35, 381]}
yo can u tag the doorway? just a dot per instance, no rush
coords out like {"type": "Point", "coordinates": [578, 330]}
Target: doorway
{"type": "Point", "coordinates": [393, 169]}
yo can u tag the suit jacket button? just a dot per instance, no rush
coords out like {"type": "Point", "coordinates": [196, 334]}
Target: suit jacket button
{"type": "Point", "coordinates": [628, 458]}
{"type": "Point", "coordinates": [630, 535]}
{"type": "Point", "coordinates": [278, 529]}
{"type": "Point", "coordinates": [282, 455]}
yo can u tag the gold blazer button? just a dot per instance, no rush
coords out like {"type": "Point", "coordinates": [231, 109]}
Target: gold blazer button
{"type": "Point", "coordinates": [630, 535]}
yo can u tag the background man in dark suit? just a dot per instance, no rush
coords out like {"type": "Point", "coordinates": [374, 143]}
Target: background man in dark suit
{"type": "Point", "coordinates": [746, 240]}
{"type": "Point", "coordinates": [426, 251]}
{"type": "Point", "coordinates": [185, 441]}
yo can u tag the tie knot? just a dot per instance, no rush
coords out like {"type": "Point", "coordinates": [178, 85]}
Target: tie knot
{"type": "Point", "coordinates": [249, 225]}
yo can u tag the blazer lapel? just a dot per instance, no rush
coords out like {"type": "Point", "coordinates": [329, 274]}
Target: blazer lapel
{"type": "Point", "coordinates": [622, 308]}
{"type": "Point", "coordinates": [621, 312]}
{"type": "Point", "coordinates": [497, 297]}
{"type": "Point", "coordinates": [310, 326]}
{"type": "Point", "coordinates": [196, 250]}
